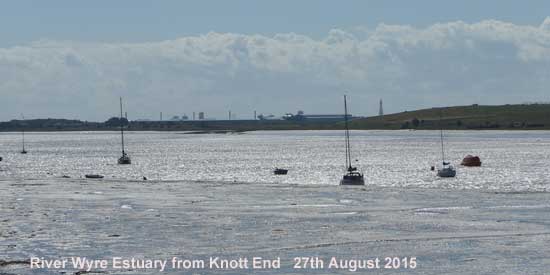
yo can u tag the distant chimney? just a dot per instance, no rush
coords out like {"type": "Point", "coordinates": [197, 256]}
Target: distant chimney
{"type": "Point", "coordinates": [381, 109]}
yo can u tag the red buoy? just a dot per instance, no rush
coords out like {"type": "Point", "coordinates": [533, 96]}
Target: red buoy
{"type": "Point", "coordinates": [471, 161]}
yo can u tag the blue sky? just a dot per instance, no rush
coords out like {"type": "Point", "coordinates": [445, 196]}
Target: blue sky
{"type": "Point", "coordinates": [273, 56]}
{"type": "Point", "coordinates": [23, 21]}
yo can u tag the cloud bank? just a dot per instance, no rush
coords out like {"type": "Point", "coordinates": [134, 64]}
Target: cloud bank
{"type": "Point", "coordinates": [488, 62]}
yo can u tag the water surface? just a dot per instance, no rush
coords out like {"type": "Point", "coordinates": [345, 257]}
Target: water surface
{"type": "Point", "coordinates": [512, 160]}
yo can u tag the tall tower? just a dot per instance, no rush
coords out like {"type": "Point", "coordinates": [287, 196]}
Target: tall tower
{"type": "Point", "coordinates": [381, 109]}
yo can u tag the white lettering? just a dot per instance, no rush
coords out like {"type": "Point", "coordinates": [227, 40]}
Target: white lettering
{"type": "Point", "coordinates": [43, 263]}
{"type": "Point", "coordinates": [88, 265]}
{"type": "Point", "coordinates": [187, 264]}
{"type": "Point", "coordinates": [217, 263]}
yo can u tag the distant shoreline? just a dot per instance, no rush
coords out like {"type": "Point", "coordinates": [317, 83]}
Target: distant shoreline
{"type": "Point", "coordinates": [472, 117]}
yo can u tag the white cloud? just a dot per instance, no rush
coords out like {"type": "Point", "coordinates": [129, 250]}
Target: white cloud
{"type": "Point", "coordinates": [443, 64]}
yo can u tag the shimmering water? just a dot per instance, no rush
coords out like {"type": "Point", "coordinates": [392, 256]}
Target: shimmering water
{"type": "Point", "coordinates": [512, 160]}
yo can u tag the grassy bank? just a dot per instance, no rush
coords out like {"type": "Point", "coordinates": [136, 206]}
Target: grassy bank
{"type": "Point", "coordinates": [521, 116]}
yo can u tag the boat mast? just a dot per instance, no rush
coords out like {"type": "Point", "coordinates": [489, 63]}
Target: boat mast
{"type": "Point", "coordinates": [121, 127]}
{"type": "Point", "coordinates": [23, 132]}
{"type": "Point", "coordinates": [441, 133]}
{"type": "Point", "coordinates": [348, 148]}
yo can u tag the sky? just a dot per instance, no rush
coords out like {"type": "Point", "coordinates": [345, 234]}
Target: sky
{"type": "Point", "coordinates": [73, 59]}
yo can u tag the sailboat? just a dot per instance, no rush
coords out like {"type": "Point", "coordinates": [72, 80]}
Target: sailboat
{"type": "Point", "coordinates": [446, 170]}
{"type": "Point", "coordinates": [124, 159]}
{"type": "Point", "coordinates": [23, 151]}
{"type": "Point", "coordinates": [352, 177]}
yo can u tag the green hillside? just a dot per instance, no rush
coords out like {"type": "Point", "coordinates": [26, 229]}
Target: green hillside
{"type": "Point", "coordinates": [521, 116]}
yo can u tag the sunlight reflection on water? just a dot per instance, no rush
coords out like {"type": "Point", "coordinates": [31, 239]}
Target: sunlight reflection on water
{"type": "Point", "coordinates": [512, 160]}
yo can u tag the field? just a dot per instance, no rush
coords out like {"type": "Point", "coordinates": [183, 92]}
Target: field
{"type": "Point", "coordinates": [532, 116]}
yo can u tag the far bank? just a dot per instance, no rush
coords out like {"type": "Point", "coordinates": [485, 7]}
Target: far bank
{"type": "Point", "coordinates": [471, 117]}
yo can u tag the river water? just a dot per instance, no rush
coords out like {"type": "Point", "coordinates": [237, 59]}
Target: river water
{"type": "Point", "coordinates": [512, 160]}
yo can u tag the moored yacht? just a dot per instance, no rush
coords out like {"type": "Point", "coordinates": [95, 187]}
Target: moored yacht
{"type": "Point", "coordinates": [446, 170]}
{"type": "Point", "coordinates": [23, 151]}
{"type": "Point", "coordinates": [124, 159]}
{"type": "Point", "coordinates": [352, 176]}
{"type": "Point", "coordinates": [280, 171]}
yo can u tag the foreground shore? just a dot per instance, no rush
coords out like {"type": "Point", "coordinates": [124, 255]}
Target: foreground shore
{"type": "Point", "coordinates": [446, 231]}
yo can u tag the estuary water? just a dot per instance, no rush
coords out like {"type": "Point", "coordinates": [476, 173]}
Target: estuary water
{"type": "Point", "coordinates": [487, 220]}
{"type": "Point", "coordinates": [512, 160]}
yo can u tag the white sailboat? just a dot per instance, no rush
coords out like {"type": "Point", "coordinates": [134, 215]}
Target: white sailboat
{"type": "Point", "coordinates": [352, 177]}
{"type": "Point", "coordinates": [23, 151]}
{"type": "Point", "coordinates": [124, 159]}
{"type": "Point", "coordinates": [446, 170]}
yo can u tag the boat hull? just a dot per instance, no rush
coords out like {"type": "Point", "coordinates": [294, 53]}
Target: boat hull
{"type": "Point", "coordinates": [93, 176]}
{"type": "Point", "coordinates": [124, 160]}
{"type": "Point", "coordinates": [352, 180]}
{"type": "Point", "coordinates": [280, 172]}
{"type": "Point", "coordinates": [446, 173]}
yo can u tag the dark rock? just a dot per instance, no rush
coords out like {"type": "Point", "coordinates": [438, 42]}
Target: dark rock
{"type": "Point", "coordinates": [15, 262]}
